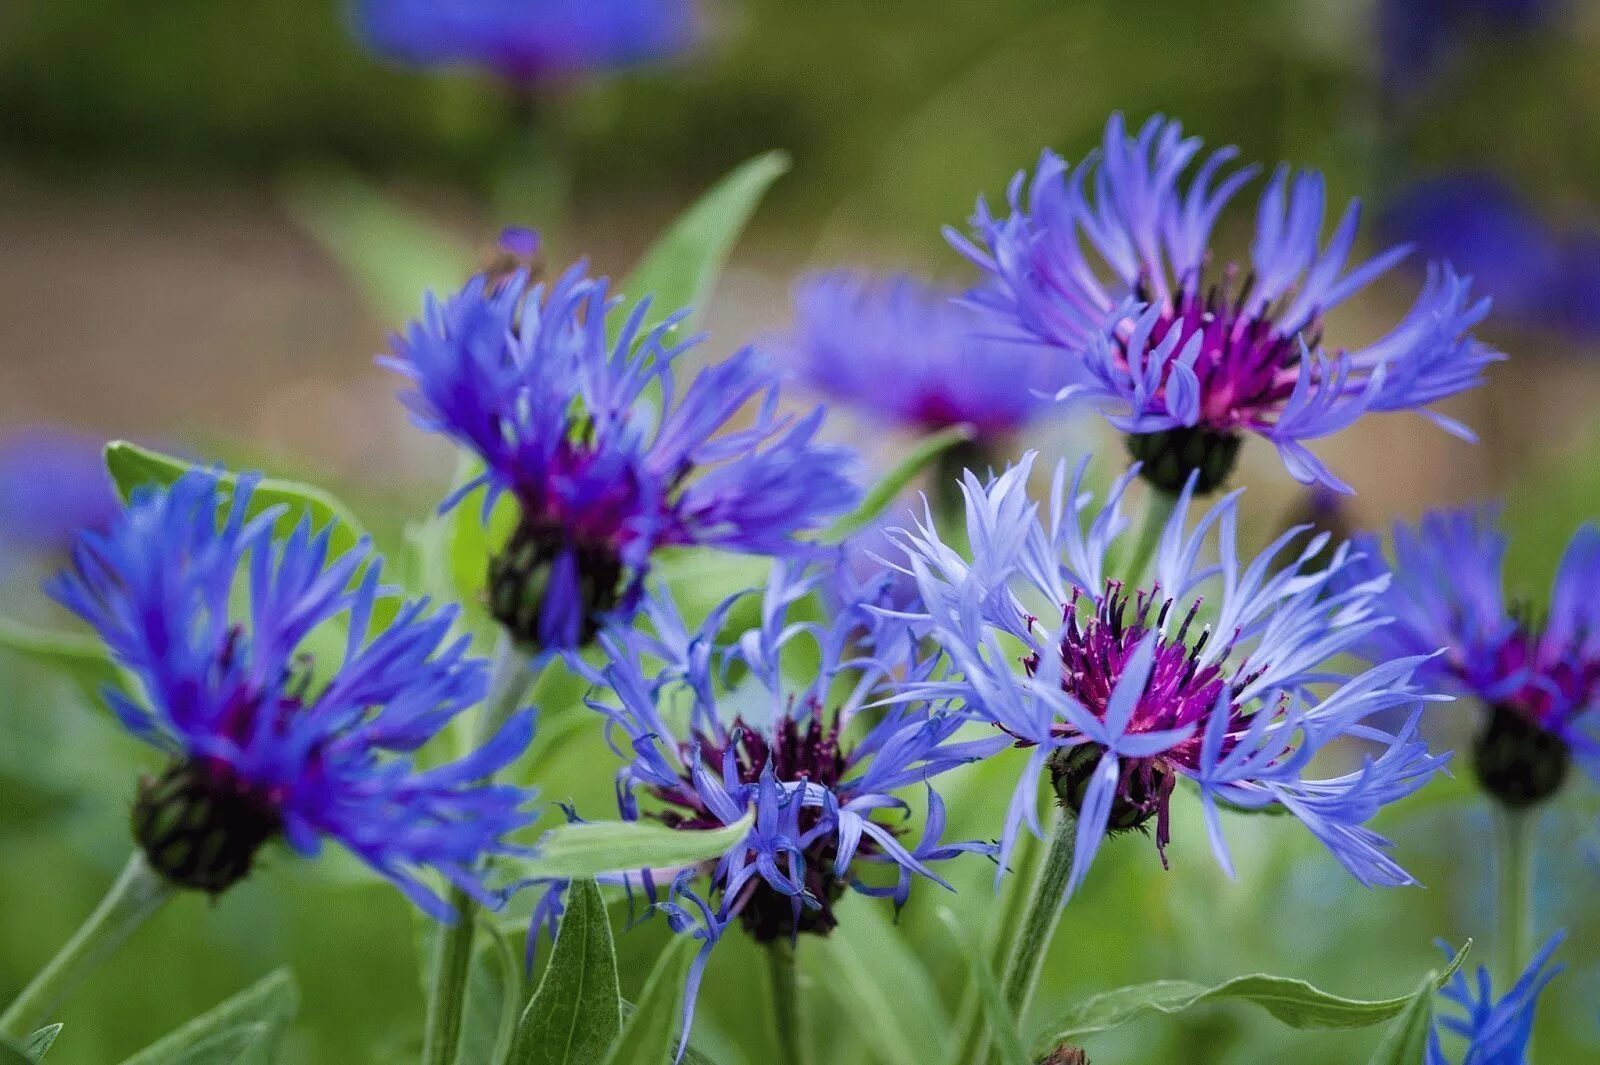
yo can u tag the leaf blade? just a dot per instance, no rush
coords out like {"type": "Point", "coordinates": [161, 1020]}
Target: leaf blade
{"type": "Point", "coordinates": [650, 1034]}
{"type": "Point", "coordinates": [895, 481]}
{"type": "Point", "coordinates": [1406, 1041]}
{"type": "Point", "coordinates": [271, 1003]}
{"type": "Point", "coordinates": [576, 1013]}
{"type": "Point", "coordinates": [587, 849]}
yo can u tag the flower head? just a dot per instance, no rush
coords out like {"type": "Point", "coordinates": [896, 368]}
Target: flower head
{"type": "Point", "coordinates": [1111, 262]}
{"type": "Point", "coordinates": [1540, 676]}
{"type": "Point", "coordinates": [1127, 688]}
{"type": "Point", "coordinates": [824, 794]}
{"type": "Point", "coordinates": [527, 41]}
{"type": "Point", "coordinates": [267, 741]}
{"type": "Point", "coordinates": [906, 352]}
{"type": "Point", "coordinates": [53, 486]}
{"type": "Point", "coordinates": [605, 459]}
{"type": "Point", "coordinates": [1497, 1031]}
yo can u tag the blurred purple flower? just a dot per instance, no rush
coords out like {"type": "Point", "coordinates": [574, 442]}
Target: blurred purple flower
{"type": "Point", "coordinates": [527, 41]}
{"type": "Point", "coordinates": [1537, 273]}
{"type": "Point", "coordinates": [1417, 37]}
{"type": "Point", "coordinates": [53, 485]}
{"type": "Point", "coordinates": [903, 351]}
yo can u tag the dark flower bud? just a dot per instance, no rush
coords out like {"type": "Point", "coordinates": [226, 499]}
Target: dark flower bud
{"type": "Point", "coordinates": [1142, 791]}
{"type": "Point", "coordinates": [1516, 761]}
{"type": "Point", "coordinates": [1067, 1054]}
{"type": "Point", "coordinates": [539, 577]}
{"type": "Point", "coordinates": [1169, 456]}
{"type": "Point", "coordinates": [200, 826]}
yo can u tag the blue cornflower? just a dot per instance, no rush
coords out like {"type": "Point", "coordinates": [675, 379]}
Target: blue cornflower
{"type": "Point", "coordinates": [53, 486]}
{"type": "Point", "coordinates": [1539, 274]}
{"type": "Point", "coordinates": [605, 459]}
{"type": "Point", "coordinates": [1497, 1031]}
{"type": "Point", "coordinates": [1132, 688]}
{"type": "Point", "coordinates": [1539, 676]}
{"type": "Point", "coordinates": [906, 352]}
{"type": "Point", "coordinates": [265, 742]}
{"type": "Point", "coordinates": [819, 780]}
{"type": "Point", "coordinates": [527, 41]}
{"type": "Point", "coordinates": [1112, 263]}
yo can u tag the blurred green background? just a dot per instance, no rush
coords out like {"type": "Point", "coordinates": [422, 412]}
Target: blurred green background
{"type": "Point", "coordinates": [156, 282]}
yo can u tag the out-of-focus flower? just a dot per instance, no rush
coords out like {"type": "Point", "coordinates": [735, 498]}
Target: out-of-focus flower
{"type": "Point", "coordinates": [1539, 677]}
{"type": "Point", "coordinates": [1497, 1031]}
{"type": "Point", "coordinates": [53, 486]}
{"type": "Point", "coordinates": [527, 41]}
{"type": "Point", "coordinates": [1112, 263]}
{"type": "Point", "coordinates": [1417, 37]}
{"type": "Point", "coordinates": [903, 351]}
{"type": "Point", "coordinates": [1539, 275]}
{"type": "Point", "coordinates": [1125, 690]}
{"type": "Point", "coordinates": [824, 793]}
{"type": "Point", "coordinates": [267, 743]}
{"type": "Point", "coordinates": [606, 460]}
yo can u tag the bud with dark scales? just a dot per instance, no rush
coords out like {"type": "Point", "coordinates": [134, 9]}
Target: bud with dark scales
{"type": "Point", "coordinates": [822, 794]}
{"type": "Point", "coordinates": [1537, 677]}
{"type": "Point", "coordinates": [1067, 1054]}
{"type": "Point", "coordinates": [1125, 691]}
{"type": "Point", "coordinates": [263, 746]}
{"type": "Point", "coordinates": [1110, 262]}
{"type": "Point", "coordinates": [559, 402]}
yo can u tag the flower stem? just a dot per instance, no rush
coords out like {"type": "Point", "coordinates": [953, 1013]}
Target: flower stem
{"type": "Point", "coordinates": [514, 674]}
{"type": "Point", "coordinates": [788, 1011]}
{"type": "Point", "coordinates": [137, 893]}
{"type": "Point", "coordinates": [1158, 508]}
{"type": "Point", "coordinates": [1025, 957]}
{"type": "Point", "coordinates": [948, 470]}
{"type": "Point", "coordinates": [1514, 899]}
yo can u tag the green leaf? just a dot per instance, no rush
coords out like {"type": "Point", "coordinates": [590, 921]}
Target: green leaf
{"type": "Point", "coordinates": [392, 254]}
{"type": "Point", "coordinates": [13, 1055]}
{"type": "Point", "coordinates": [81, 658]}
{"type": "Point", "coordinates": [1003, 1026]}
{"type": "Point", "coordinates": [1406, 1041]}
{"type": "Point", "coordinates": [683, 265]}
{"type": "Point", "coordinates": [249, 1044]}
{"type": "Point", "coordinates": [881, 987]}
{"type": "Point", "coordinates": [575, 1015]}
{"type": "Point", "coordinates": [1294, 1002]}
{"type": "Point", "coordinates": [269, 1004]}
{"type": "Point", "coordinates": [132, 466]}
{"type": "Point", "coordinates": [39, 1043]}
{"type": "Point", "coordinates": [593, 848]}
{"type": "Point", "coordinates": [650, 1034]}
{"type": "Point", "coordinates": [889, 488]}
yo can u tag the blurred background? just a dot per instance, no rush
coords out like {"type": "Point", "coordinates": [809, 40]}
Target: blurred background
{"type": "Point", "coordinates": [181, 187]}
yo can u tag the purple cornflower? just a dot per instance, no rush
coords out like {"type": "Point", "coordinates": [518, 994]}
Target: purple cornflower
{"type": "Point", "coordinates": [1125, 688]}
{"type": "Point", "coordinates": [265, 741]}
{"type": "Point", "coordinates": [1111, 262]}
{"type": "Point", "coordinates": [1418, 37]}
{"type": "Point", "coordinates": [1497, 1031]}
{"type": "Point", "coordinates": [53, 486]}
{"type": "Point", "coordinates": [527, 41]}
{"type": "Point", "coordinates": [1539, 676]}
{"type": "Point", "coordinates": [1539, 274]}
{"type": "Point", "coordinates": [699, 758]}
{"type": "Point", "coordinates": [905, 352]}
{"type": "Point", "coordinates": [606, 460]}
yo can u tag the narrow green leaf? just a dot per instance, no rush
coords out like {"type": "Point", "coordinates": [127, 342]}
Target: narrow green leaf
{"type": "Point", "coordinates": [597, 847]}
{"type": "Point", "coordinates": [650, 1034]}
{"type": "Point", "coordinates": [13, 1055]}
{"type": "Point", "coordinates": [392, 254]}
{"type": "Point", "coordinates": [1406, 1041]}
{"type": "Point", "coordinates": [575, 1015]}
{"type": "Point", "coordinates": [248, 1044]}
{"type": "Point", "coordinates": [1294, 1002]}
{"type": "Point", "coordinates": [1003, 1027]}
{"type": "Point", "coordinates": [681, 268]}
{"type": "Point", "coordinates": [81, 658]}
{"type": "Point", "coordinates": [39, 1043]}
{"type": "Point", "coordinates": [494, 990]}
{"type": "Point", "coordinates": [889, 488]}
{"type": "Point", "coordinates": [880, 986]}
{"type": "Point", "coordinates": [270, 1003]}
{"type": "Point", "coordinates": [132, 466]}
{"type": "Point", "coordinates": [692, 1055]}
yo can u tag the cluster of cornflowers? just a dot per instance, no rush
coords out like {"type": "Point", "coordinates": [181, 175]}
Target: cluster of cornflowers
{"type": "Point", "coordinates": [1115, 670]}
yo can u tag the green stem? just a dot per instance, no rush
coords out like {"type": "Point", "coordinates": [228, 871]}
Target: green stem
{"type": "Point", "coordinates": [1514, 899]}
{"type": "Point", "coordinates": [971, 1032]}
{"type": "Point", "coordinates": [138, 892]}
{"type": "Point", "coordinates": [1158, 508]}
{"type": "Point", "coordinates": [788, 1011]}
{"type": "Point", "coordinates": [1025, 957]}
{"type": "Point", "coordinates": [514, 674]}
{"type": "Point", "coordinates": [949, 505]}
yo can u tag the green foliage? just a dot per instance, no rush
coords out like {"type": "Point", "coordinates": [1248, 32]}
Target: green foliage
{"type": "Point", "coordinates": [1406, 1041]}
{"type": "Point", "coordinates": [575, 1015]}
{"type": "Point", "coordinates": [247, 1027]}
{"type": "Point", "coordinates": [650, 1033]}
{"type": "Point", "coordinates": [39, 1043]}
{"type": "Point", "coordinates": [592, 848]}
{"type": "Point", "coordinates": [1004, 1028]}
{"type": "Point", "coordinates": [924, 454]}
{"type": "Point", "coordinates": [79, 657]}
{"type": "Point", "coordinates": [1294, 1002]}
